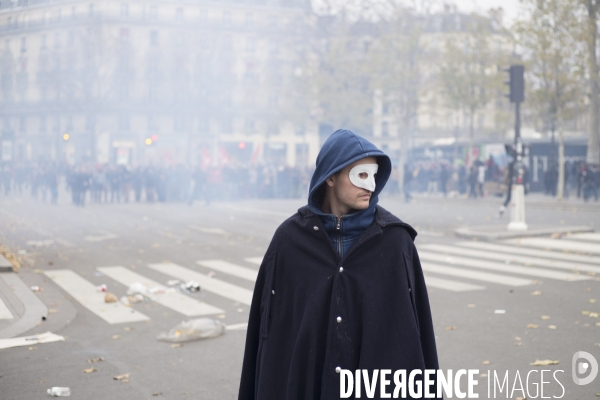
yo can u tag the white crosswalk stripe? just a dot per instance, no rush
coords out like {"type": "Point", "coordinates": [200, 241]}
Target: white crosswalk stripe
{"type": "Point", "coordinates": [85, 293]}
{"type": "Point", "coordinates": [230, 269]}
{"type": "Point", "coordinates": [4, 311]}
{"type": "Point", "coordinates": [557, 244]}
{"type": "Point", "coordinates": [543, 254]}
{"type": "Point", "coordinates": [175, 301]}
{"type": "Point", "coordinates": [592, 237]}
{"type": "Point", "coordinates": [254, 260]}
{"type": "Point", "coordinates": [519, 270]}
{"type": "Point", "coordinates": [511, 258]}
{"type": "Point", "coordinates": [453, 286]}
{"type": "Point", "coordinates": [213, 285]}
{"type": "Point", "coordinates": [476, 275]}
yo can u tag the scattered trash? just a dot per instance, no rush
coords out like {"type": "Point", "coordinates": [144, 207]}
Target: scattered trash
{"type": "Point", "coordinates": [137, 288]}
{"type": "Point", "coordinates": [110, 298]}
{"type": "Point", "coordinates": [450, 328]}
{"type": "Point", "coordinates": [471, 305]}
{"type": "Point", "coordinates": [123, 378]}
{"type": "Point", "coordinates": [22, 252]}
{"type": "Point", "coordinates": [52, 311]}
{"type": "Point", "coordinates": [212, 274]}
{"type": "Point", "coordinates": [90, 370]}
{"type": "Point", "coordinates": [240, 310]}
{"type": "Point", "coordinates": [127, 329]}
{"type": "Point", "coordinates": [32, 348]}
{"type": "Point", "coordinates": [157, 290]}
{"type": "Point", "coordinates": [486, 362]}
{"type": "Point", "coordinates": [536, 293]}
{"type": "Point", "coordinates": [176, 345]}
{"type": "Point", "coordinates": [499, 311]}
{"type": "Point", "coordinates": [556, 235]}
{"type": "Point", "coordinates": [115, 337]}
{"type": "Point", "coordinates": [551, 326]}
{"type": "Point", "coordinates": [531, 326]}
{"type": "Point", "coordinates": [594, 315]}
{"type": "Point", "coordinates": [125, 301]}
{"type": "Point", "coordinates": [543, 363]}
{"type": "Point", "coordinates": [38, 271]}
{"type": "Point", "coordinates": [237, 327]}
{"type": "Point", "coordinates": [190, 286]}
{"type": "Point", "coordinates": [173, 282]}
{"type": "Point", "coordinates": [93, 360]}
{"type": "Point", "coordinates": [585, 313]}
{"type": "Point", "coordinates": [545, 317]}
{"type": "Point", "coordinates": [102, 288]}
{"type": "Point", "coordinates": [98, 273]}
{"type": "Point", "coordinates": [194, 329]}
{"type": "Point", "coordinates": [157, 394]}
{"type": "Point", "coordinates": [59, 391]}
{"type": "Point", "coordinates": [47, 337]}
{"type": "Point", "coordinates": [36, 289]}
{"type": "Point", "coordinates": [592, 300]}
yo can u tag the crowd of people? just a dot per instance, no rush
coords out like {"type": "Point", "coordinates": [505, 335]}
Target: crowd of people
{"type": "Point", "coordinates": [179, 183]}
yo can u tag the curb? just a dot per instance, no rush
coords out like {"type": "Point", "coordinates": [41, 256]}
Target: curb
{"type": "Point", "coordinates": [5, 265]}
{"type": "Point", "coordinates": [35, 309]}
{"type": "Point", "coordinates": [487, 233]}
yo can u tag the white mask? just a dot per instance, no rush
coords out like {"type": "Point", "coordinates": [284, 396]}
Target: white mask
{"type": "Point", "coordinates": [366, 182]}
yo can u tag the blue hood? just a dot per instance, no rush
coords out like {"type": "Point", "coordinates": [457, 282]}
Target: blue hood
{"type": "Point", "coordinates": [341, 149]}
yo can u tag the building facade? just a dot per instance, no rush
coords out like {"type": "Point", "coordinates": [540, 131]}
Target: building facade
{"type": "Point", "coordinates": [156, 81]}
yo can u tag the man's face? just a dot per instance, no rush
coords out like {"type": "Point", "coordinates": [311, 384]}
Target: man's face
{"type": "Point", "coordinates": [345, 192]}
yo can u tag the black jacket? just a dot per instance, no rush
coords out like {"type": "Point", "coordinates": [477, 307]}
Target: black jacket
{"type": "Point", "coordinates": [294, 341]}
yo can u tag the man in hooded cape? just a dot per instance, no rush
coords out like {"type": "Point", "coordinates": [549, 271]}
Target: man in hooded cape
{"type": "Point", "coordinates": [337, 293]}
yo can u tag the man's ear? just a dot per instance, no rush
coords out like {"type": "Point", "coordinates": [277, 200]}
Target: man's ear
{"type": "Point", "coordinates": [330, 181]}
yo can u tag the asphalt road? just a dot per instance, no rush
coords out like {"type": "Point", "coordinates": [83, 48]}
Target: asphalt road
{"type": "Point", "coordinates": [472, 330]}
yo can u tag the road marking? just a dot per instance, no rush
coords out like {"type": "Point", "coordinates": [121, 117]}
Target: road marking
{"type": "Point", "coordinates": [4, 311]}
{"type": "Point", "coordinates": [531, 252]}
{"type": "Point", "coordinates": [85, 292]}
{"type": "Point", "coordinates": [237, 327]}
{"type": "Point", "coordinates": [447, 284]}
{"type": "Point", "coordinates": [231, 269]}
{"type": "Point", "coordinates": [216, 231]}
{"type": "Point", "coordinates": [213, 285]}
{"type": "Point", "coordinates": [176, 301]}
{"type": "Point", "coordinates": [254, 260]}
{"type": "Point", "coordinates": [595, 237]}
{"type": "Point", "coordinates": [476, 275]}
{"type": "Point", "coordinates": [40, 243]}
{"type": "Point", "coordinates": [467, 262]}
{"type": "Point", "coordinates": [64, 242]}
{"type": "Point", "coordinates": [511, 258]}
{"type": "Point", "coordinates": [557, 244]}
{"type": "Point", "coordinates": [101, 238]}
{"type": "Point", "coordinates": [256, 210]}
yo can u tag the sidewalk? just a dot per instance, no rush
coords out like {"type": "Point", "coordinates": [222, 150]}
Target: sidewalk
{"type": "Point", "coordinates": [534, 200]}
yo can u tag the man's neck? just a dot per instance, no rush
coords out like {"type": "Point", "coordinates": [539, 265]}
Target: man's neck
{"type": "Point", "coordinates": [332, 206]}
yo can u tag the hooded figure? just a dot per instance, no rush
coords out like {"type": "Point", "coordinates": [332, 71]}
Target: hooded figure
{"type": "Point", "coordinates": [338, 293]}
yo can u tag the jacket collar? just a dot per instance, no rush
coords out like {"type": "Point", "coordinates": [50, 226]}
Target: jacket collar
{"type": "Point", "coordinates": [383, 218]}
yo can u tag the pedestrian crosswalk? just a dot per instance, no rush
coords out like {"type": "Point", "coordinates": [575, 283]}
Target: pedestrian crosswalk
{"type": "Point", "coordinates": [452, 267]}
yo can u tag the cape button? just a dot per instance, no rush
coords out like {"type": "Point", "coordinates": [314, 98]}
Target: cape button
{"type": "Point", "coordinates": [338, 370]}
{"type": "Point", "coordinates": [273, 292]}
{"type": "Point", "coordinates": [339, 319]}
{"type": "Point", "coordinates": [316, 228]}
{"type": "Point", "coordinates": [341, 269]}
{"type": "Point", "coordinates": [409, 290]}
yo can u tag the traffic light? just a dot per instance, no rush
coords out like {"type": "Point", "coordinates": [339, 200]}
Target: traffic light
{"type": "Point", "coordinates": [516, 83]}
{"type": "Point", "coordinates": [66, 137]}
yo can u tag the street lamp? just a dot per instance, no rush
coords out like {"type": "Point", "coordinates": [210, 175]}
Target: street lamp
{"type": "Point", "coordinates": [517, 96]}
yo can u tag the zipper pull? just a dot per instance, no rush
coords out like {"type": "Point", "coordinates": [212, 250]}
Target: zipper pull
{"type": "Point", "coordinates": [339, 220]}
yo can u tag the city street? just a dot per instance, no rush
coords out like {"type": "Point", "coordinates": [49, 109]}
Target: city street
{"type": "Point", "coordinates": [496, 306]}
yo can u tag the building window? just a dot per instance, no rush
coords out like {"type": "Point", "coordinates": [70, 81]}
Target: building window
{"type": "Point", "coordinates": [124, 122]}
{"type": "Point", "coordinates": [272, 21]}
{"type": "Point", "coordinates": [71, 38]}
{"type": "Point", "coordinates": [44, 41]}
{"type": "Point", "coordinates": [227, 42]}
{"type": "Point", "coordinates": [153, 11]}
{"type": "Point", "coordinates": [250, 45]}
{"type": "Point", "coordinates": [22, 124]}
{"type": "Point", "coordinates": [43, 123]}
{"type": "Point", "coordinates": [125, 10]}
{"type": "Point", "coordinates": [249, 20]}
{"type": "Point", "coordinates": [23, 45]}
{"type": "Point", "coordinates": [57, 40]}
{"type": "Point", "coordinates": [226, 18]}
{"type": "Point", "coordinates": [385, 130]}
{"type": "Point", "coordinates": [124, 34]}
{"type": "Point", "coordinates": [152, 124]}
{"type": "Point", "coordinates": [73, 12]}
{"type": "Point", "coordinates": [91, 10]}
{"type": "Point", "coordinates": [153, 38]}
{"type": "Point", "coordinates": [179, 14]}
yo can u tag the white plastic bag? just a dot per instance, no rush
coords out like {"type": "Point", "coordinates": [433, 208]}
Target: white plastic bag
{"type": "Point", "coordinates": [194, 329]}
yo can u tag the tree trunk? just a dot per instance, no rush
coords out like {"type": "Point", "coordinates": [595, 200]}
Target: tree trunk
{"type": "Point", "coordinates": [593, 151]}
